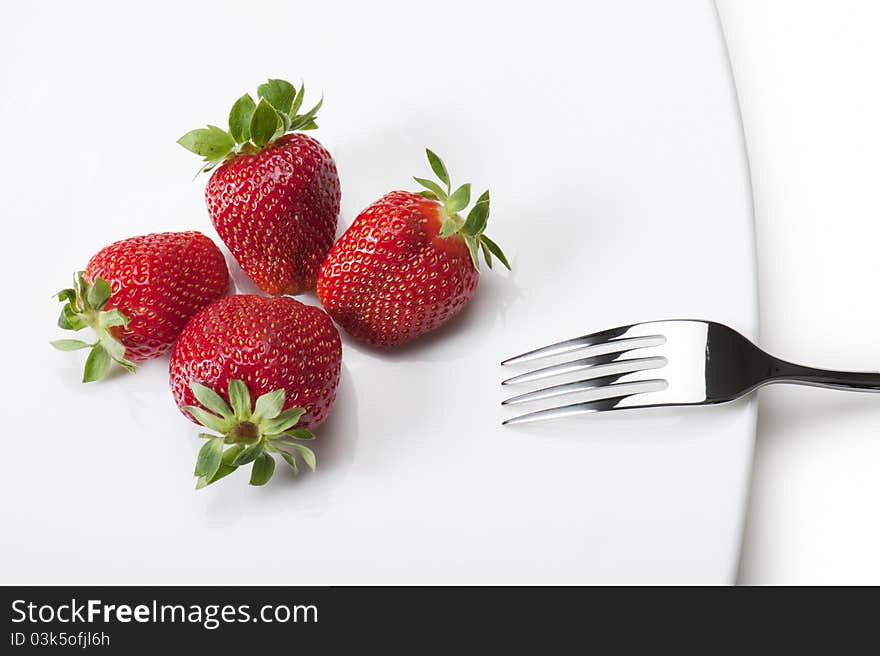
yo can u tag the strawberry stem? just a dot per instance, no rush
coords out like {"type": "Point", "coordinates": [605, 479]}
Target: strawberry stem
{"type": "Point", "coordinates": [254, 433]}
{"type": "Point", "coordinates": [84, 306]}
{"type": "Point", "coordinates": [472, 228]}
{"type": "Point", "coordinates": [252, 125]}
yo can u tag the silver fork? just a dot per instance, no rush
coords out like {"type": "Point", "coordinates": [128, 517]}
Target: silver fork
{"type": "Point", "coordinates": [664, 363]}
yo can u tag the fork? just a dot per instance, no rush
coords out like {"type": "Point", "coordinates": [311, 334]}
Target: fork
{"type": "Point", "coordinates": [664, 363]}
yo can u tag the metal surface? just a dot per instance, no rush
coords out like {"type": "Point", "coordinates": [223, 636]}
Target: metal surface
{"type": "Point", "coordinates": [663, 363]}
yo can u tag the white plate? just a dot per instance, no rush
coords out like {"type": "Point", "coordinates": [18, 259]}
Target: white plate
{"type": "Point", "coordinates": [611, 141]}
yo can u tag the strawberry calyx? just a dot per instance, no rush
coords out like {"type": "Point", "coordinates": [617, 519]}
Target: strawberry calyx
{"type": "Point", "coordinates": [247, 434]}
{"type": "Point", "coordinates": [253, 125]}
{"type": "Point", "coordinates": [473, 227]}
{"type": "Point", "coordinates": [84, 306]}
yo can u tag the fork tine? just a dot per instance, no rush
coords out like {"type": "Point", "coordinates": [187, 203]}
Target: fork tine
{"type": "Point", "coordinates": [577, 343]}
{"type": "Point", "coordinates": [568, 345]}
{"type": "Point", "coordinates": [620, 392]}
{"type": "Point", "coordinates": [585, 385]}
{"type": "Point", "coordinates": [600, 365]}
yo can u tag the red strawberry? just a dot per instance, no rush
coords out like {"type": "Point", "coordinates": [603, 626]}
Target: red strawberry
{"type": "Point", "coordinates": [138, 294]}
{"type": "Point", "coordinates": [284, 352]}
{"type": "Point", "coordinates": [274, 200]}
{"type": "Point", "coordinates": [408, 263]}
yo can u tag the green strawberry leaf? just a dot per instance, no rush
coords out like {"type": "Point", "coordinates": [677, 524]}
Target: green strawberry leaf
{"type": "Point", "coordinates": [114, 347]}
{"type": "Point", "coordinates": [478, 217]}
{"type": "Point", "coordinates": [299, 434]}
{"type": "Point", "coordinates": [240, 399]}
{"type": "Point", "coordinates": [298, 100]}
{"type": "Point", "coordinates": [290, 460]}
{"type": "Point", "coordinates": [487, 254]}
{"type": "Point", "coordinates": [70, 344]}
{"type": "Point", "coordinates": [262, 469]}
{"type": "Point", "coordinates": [459, 199]}
{"type": "Point", "coordinates": [301, 121]}
{"type": "Point", "coordinates": [449, 226]}
{"type": "Point", "coordinates": [439, 168]}
{"type": "Point", "coordinates": [67, 295]}
{"type": "Point", "coordinates": [474, 250]}
{"type": "Point", "coordinates": [278, 93]}
{"type": "Point", "coordinates": [432, 186]}
{"type": "Point", "coordinates": [269, 405]}
{"type": "Point", "coordinates": [240, 118]}
{"type": "Point", "coordinates": [264, 123]}
{"type": "Point", "coordinates": [97, 364]}
{"type": "Point", "coordinates": [288, 439]}
{"type": "Point", "coordinates": [231, 454]}
{"type": "Point", "coordinates": [283, 421]}
{"type": "Point", "coordinates": [69, 320]}
{"type": "Point", "coordinates": [209, 458]}
{"type": "Point", "coordinates": [80, 287]}
{"type": "Point", "coordinates": [98, 293]}
{"type": "Point", "coordinates": [284, 126]}
{"type": "Point", "coordinates": [211, 142]}
{"type": "Point", "coordinates": [305, 453]}
{"type": "Point", "coordinates": [210, 166]}
{"type": "Point", "coordinates": [63, 322]}
{"type": "Point", "coordinates": [495, 249]}
{"type": "Point", "coordinates": [211, 400]}
{"type": "Point", "coordinates": [114, 317]}
{"type": "Point", "coordinates": [207, 419]}
{"type": "Point", "coordinates": [127, 364]}
{"type": "Point", "coordinates": [222, 470]}
{"type": "Point", "coordinates": [248, 454]}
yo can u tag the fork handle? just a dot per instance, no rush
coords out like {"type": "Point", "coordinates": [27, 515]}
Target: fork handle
{"type": "Point", "coordinates": [788, 372]}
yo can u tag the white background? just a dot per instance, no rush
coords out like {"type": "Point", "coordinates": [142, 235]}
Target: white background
{"type": "Point", "coordinates": [807, 76]}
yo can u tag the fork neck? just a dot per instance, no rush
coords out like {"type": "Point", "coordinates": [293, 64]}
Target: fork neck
{"type": "Point", "coordinates": [781, 371]}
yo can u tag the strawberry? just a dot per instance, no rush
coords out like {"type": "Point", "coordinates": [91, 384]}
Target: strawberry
{"type": "Point", "coordinates": [138, 294]}
{"type": "Point", "coordinates": [274, 199]}
{"type": "Point", "coordinates": [408, 263]}
{"type": "Point", "coordinates": [275, 348]}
